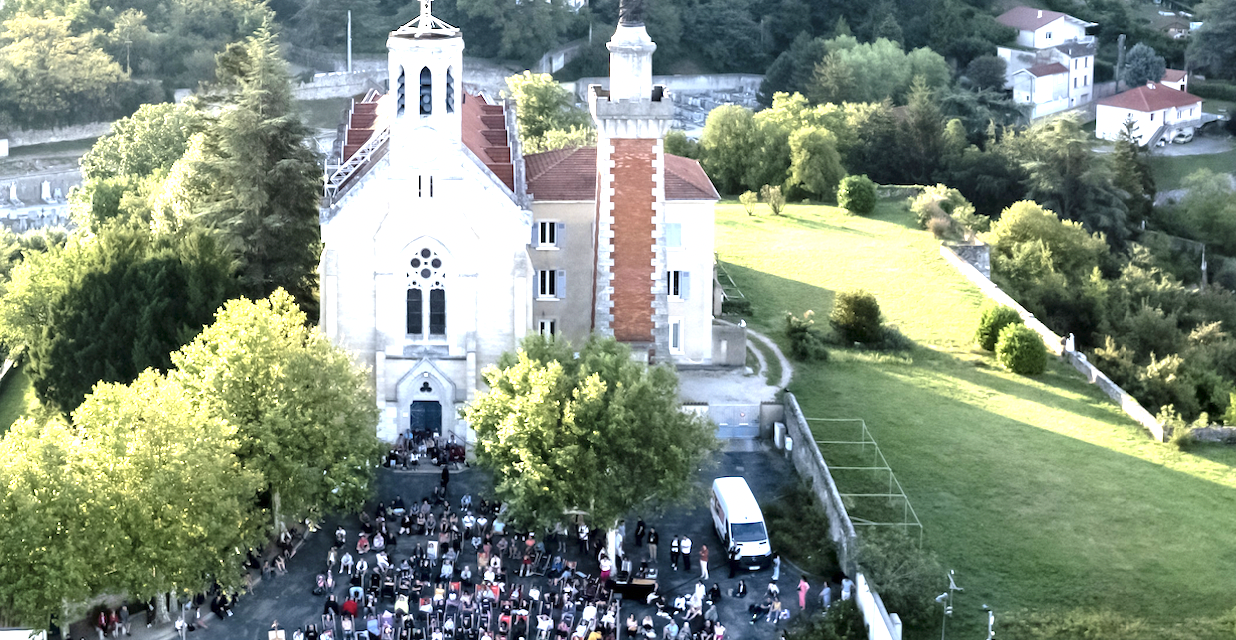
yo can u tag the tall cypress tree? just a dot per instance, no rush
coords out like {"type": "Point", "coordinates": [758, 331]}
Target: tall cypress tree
{"type": "Point", "coordinates": [260, 174]}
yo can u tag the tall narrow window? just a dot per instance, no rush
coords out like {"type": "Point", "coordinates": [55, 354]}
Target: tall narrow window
{"type": "Point", "coordinates": [426, 91]}
{"type": "Point", "coordinates": [415, 309]}
{"type": "Point", "coordinates": [450, 91]}
{"type": "Point", "coordinates": [400, 102]}
{"type": "Point", "coordinates": [425, 274]}
{"type": "Point", "coordinates": [437, 312]}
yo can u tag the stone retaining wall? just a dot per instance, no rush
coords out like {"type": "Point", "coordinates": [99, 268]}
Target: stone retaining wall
{"type": "Point", "coordinates": [1054, 344]}
{"type": "Point", "coordinates": [23, 138]}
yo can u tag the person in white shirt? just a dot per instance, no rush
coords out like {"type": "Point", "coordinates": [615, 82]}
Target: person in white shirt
{"type": "Point", "coordinates": [684, 547]}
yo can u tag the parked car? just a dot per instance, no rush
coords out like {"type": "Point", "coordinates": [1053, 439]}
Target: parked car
{"type": "Point", "coordinates": [1183, 137]}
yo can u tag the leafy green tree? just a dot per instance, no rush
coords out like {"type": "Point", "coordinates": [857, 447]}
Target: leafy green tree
{"type": "Point", "coordinates": [1066, 245]}
{"type": "Point", "coordinates": [595, 432]}
{"type": "Point", "coordinates": [987, 72]}
{"type": "Point", "coordinates": [1213, 46]}
{"type": "Point", "coordinates": [906, 577]}
{"type": "Point", "coordinates": [544, 106]}
{"type": "Point", "coordinates": [1132, 175]}
{"type": "Point", "coordinates": [49, 76]}
{"type": "Point", "coordinates": [871, 72]}
{"type": "Point", "coordinates": [1209, 209]}
{"type": "Point", "coordinates": [922, 133]}
{"type": "Point", "coordinates": [993, 319]}
{"type": "Point", "coordinates": [749, 199]}
{"type": "Point", "coordinates": [305, 414]}
{"type": "Point", "coordinates": [1142, 65]}
{"type": "Point", "coordinates": [523, 30]}
{"type": "Point", "coordinates": [178, 508]}
{"type": "Point", "coordinates": [1064, 174]}
{"type": "Point", "coordinates": [857, 194]}
{"type": "Point", "coordinates": [258, 179]}
{"type": "Point", "coordinates": [677, 143]}
{"type": "Point", "coordinates": [856, 317]}
{"type": "Point", "coordinates": [105, 308]}
{"type": "Point", "coordinates": [814, 162]}
{"type": "Point", "coordinates": [793, 70]}
{"type": "Point", "coordinates": [726, 144]}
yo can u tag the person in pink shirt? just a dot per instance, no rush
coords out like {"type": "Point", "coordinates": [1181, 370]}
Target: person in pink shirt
{"type": "Point", "coordinates": [803, 588]}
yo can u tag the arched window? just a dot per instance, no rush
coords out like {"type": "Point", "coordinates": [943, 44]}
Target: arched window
{"type": "Point", "coordinates": [400, 93]}
{"type": "Point", "coordinates": [425, 274]}
{"type": "Point", "coordinates": [450, 91]}
{"type": "Point", "coordinates": [426, 91]}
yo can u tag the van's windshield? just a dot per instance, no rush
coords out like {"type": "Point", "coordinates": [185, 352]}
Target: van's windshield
{"type": "Point", "coordinates": [749, 532]}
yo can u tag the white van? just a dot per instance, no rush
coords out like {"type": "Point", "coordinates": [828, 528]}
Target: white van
{"type": "Point", "coordinates": [738, 520]}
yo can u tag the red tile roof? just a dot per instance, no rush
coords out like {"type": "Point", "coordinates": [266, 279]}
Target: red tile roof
{"type": "Point", "coordinates": [1028, 18]}
{"type": "Point", "coordinates": [1150, 97]}
{"type": "Point", "coordinates": [1040, 70]}
{"type": "Point", "coordinates": [484, 133]}
{"type": "Point", "coordinates": [570, 174]}
{"type": "Point", "coordinates": [1173, 75]}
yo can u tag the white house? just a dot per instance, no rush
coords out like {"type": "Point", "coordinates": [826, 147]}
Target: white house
{"type": "Point", "coordinates": [444, 245]}
{"type": "Point", "coordinates": [1176, 79]}
{"type": "Point", "coordinates": [1045, 39]}
{"type": "Point", "coordinates": [1156, 111]}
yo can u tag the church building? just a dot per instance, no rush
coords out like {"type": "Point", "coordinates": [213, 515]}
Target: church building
{"type": "Point", "coordinates": [444, 245]}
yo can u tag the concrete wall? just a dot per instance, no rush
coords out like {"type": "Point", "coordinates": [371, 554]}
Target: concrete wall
{"type": "Point", "coordinates": [339, 84]}
{"type": "Point", "coordinates": [729, 344]}
{"type": "Point", "coordinates": [1054, 344]}
{"type": "Point", "coordinates": [682, 83]}
{"type": "Point", "coordinates": [809, 463]}
{"type": "Point", "coordinates": [23, 138]}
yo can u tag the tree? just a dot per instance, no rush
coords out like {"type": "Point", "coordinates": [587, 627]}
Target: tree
{"type": "Point", "coordinates": [1132, 175]}
{"type": "Point", "coordinates": [258, 179]}
{"type": "Point", "coordinates": [1069, 249]}
{"type": "Point", "coordinates": [1142, 65]}
{"type": "Point", "coordinates": [773, 197]}
{"type": "Point", "coordinates": [814, 162]}
{"type": "Point", "coordinates": [1064, 174]}
{"type": "Point", "coordinates": [856, 317]}
{"type": "Point", "coordinates": [726, 144]}
{"type": "Point", "coordinates": [922, 133]}
{"type": "Point", "coordinates": [1213, 46]}
{"type": "Point", "coordinates": [50, 76]}
{"type": "Point", "coordinates": [305, 414]}
{"type": "Point", "coordinates": [107, 307]}
{"type": "Point", "coordinates": [793, 70]}
{"type": "Point", "coordinates": [748, 200]}
{"type": "Point", "coordinates": [987, 72]}
{"type": "Point", "coordinates": [677, 143]}
{"type": "Point", "coordinates": [544, 106]}
{"type": "Point", "coordinates": [857, 194]}
{"type": "Point", "coordinates": [873, 71]}
{"type": "Point", "coordinates": [595, 432]}
{"type": "Point", "coordinates": [519, 30]}
{"type": "Point", "coordinates": [906, 577]}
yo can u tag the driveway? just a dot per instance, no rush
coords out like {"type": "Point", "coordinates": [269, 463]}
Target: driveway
{"type": "Point", "coordinates": [1200, 146]}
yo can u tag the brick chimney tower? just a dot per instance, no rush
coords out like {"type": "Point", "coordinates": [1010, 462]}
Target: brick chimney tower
{"type": "Point", "coordinates": [632, 118]}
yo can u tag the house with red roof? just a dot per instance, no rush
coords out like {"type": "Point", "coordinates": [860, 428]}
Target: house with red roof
{"type": "Point", "coordinates": [444, 245]}
{"type": "Point", "coordinates": [1156, 111]}
{"type": "Point", "coordinates": [1176, 79]}
{"type": "Point", "coordinates": [1052, 67]}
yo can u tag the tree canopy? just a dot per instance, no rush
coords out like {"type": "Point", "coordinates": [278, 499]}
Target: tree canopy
{"type": "Point", "coordinates": [1142, 65]}
{"type": "Point", "coordinates": [595, 432]}
{"type": "Point", "coordinates": [1213, 46]}
{"type": "Point", "coordinates": [548, 117]}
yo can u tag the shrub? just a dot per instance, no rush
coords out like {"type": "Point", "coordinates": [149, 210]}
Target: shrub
{"type": "Point", "coordinates": [842, 621]}
{"type": "Point", "coordinates": [994, 318]}
{"type": "Point", "coordinates": [942, 228]}
{"type": "Point", "coordinates": [736, 306]}
{"type": "Point", "coordinates": [856, 317]}
{"type": "Point", "coordinates": [906, 576]}
{"type": "Point", "coordinates": [749, 200]}
{"type": "Point", "coordinates": [857, 194]}
{"type": "Point", "coordinates": [805, 342]}
{"type": "Point", "coordinates": [773, 197]}
{"type": "Point", "coordinates": [1021, 350]}
{"type": "Point", "coordinates": [940, 201]}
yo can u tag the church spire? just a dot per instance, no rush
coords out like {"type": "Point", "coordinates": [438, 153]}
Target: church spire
{"type": "Point", "coordinates": [426, 25]}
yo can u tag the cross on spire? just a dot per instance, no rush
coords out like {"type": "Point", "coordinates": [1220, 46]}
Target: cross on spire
{"type": "Point", "coordinates": [426, 24]}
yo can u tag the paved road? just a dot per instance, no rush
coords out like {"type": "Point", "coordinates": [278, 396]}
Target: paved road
{"type": "Point", "coordinates": [289, 598]}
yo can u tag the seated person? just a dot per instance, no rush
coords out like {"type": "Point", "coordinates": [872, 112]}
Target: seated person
{"type": "Point", "coordinates": [401, 604]}
{"type": "Point", "coordinates": [714, 594]}
{"type": "Point", "coordinates": [350, 607]}
{"type": "Point", "coordinates": [362, 544]}
{"type": "Point", "coordinates": [680, 604]}
{"type": "Point", "coordinates": [379, 542]}
{"type": "Point", "coordinates": [741, 590]}
{"type": "Point", "coordinates": [465, 576]}
{"type": "Point", "coordinates": [384, 562]}
{"type": "Point", "coordinates": [448, 570]}
{"type": "Point", "coordinates": [632, 625]}
{"type": "Point", "coordinates": [362, 567]}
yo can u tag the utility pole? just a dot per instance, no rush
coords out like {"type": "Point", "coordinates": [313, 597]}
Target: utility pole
{"type": "Point", "coordinates": [1119, 61]}
{"type": "Point", "coordinates": [349, 41]}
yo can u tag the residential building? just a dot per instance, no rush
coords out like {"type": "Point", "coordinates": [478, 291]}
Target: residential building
{"type": "Point", "coordinates": [1158, 112]}
{"type": "Point", "coordinates": [1052, 68]}
{"type": "Point", "coordinates": [1176, 79]}
{"type": "Point", "coordinates": [444, 245]}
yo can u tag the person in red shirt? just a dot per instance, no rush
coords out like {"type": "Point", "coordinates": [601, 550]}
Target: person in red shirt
{"type": "Point", "coordinates": [349, 607]}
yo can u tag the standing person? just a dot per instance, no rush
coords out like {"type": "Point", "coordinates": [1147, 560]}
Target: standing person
{"type": "Point", "coordinates": [446, 476]}
{"type": "Point", "coordinates": [703, 562]}
{"type": "Point", "coordinates": [675, 552]}
{"type": "Point", "coordinates": [776, 567]}
{"type": "Point", "coordinates": [733, 557]}
{"type": "Point", "coordinates": [125, 625]}
{"type": "Point", "coordinates": [826, 596]}
{"type": "Point", "coordinates": [640, 528]}
{"type": "Point", "coordinates": [583, 539]}
{"type": "Point", "coordinates": [684, 546]}
{"type": "Point", "coordinates": [847, 585]}
{"type": "Point", "coordinates": [803, 588]}
{"type": "Point", "coordinates": [653, 539]}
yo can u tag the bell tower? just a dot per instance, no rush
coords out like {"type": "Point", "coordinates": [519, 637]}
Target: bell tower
{"type": "Point", "coordinates": [425, 66]}
{"type": "Point", "coordinates": [632, 118]}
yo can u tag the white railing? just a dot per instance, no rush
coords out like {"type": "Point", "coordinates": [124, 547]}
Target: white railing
{"type": "Point", "coordinates": [358, 160]}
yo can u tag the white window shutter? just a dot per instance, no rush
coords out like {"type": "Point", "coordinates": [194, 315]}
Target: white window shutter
{"type": "Point", "coordinates": [561, 284]}
{"type": "Point", "coordinates": [684, 285]}
{"type": "Point", "coordinates": [536, 284]}
{"type": "Point", "coordinates": [536, 233]}
{"type": "Point", "coordinates": [560, 236]}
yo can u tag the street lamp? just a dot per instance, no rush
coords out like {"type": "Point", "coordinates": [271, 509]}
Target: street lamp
{"type": "Point", "coordinates": [946, 599]}
{"type": "Point", "coordinates": [991, 622]}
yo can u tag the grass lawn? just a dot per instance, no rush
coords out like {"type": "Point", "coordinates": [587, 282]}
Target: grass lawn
{"type": "Point", "coordinates": [1170, 171]}
{"type": "Point", "coordinates": [1038, 491]}
{"type": "Point", "coordinates": [16, 396]}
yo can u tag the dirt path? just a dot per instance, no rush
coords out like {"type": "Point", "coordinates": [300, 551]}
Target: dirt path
{"type": "Point", "coordinates": [787, 371]}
